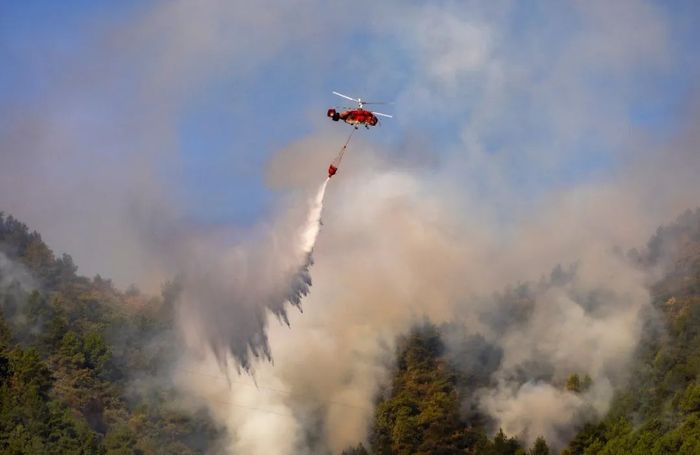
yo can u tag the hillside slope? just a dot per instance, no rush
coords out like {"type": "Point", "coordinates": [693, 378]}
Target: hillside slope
{"type": "Point", "coordinates": [74, 353]}
{"type": "Point", "coordinates": [71, 350]}
{"type": "Point", "coordinates": [657, 413]}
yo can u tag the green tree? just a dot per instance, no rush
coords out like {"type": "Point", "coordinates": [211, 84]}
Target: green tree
{"type": "Point", "coordinates": [690, 401]}
{"type": "Point", "coordinates": [359, 450]}
{"type": "Point", "coordinates": [71, 349]}
{"type": "Point", "coordinates": [586, 383]}
{"type": "Point", "coordinates": [97, 352]}
{"type": "Point", "coordinates": [421, 414]}
{"type": "Point", "coordinates": [573, 383]}
{"type": "Point", "coordinates": [121, 441]}
{"type": "Point", "coordinates": [503, 445]}
{"type": "Point", "coordinates": [67, 350]}
{"type": "Point", "coordinates": [540, 447]}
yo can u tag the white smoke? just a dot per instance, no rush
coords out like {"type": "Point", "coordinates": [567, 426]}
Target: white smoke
{"type": "Point", "coordinates": [396, 250]}
{"type": "Point", "coordinates": [589, 325]}
{"type": "Point", "coordinates": [13, 273]}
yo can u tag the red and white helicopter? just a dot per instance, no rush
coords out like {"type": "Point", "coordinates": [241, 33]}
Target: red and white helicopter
{"type": "Point", "coordinates": [355, 117]}
{"type": "Point", "coordinates": [358, 116]}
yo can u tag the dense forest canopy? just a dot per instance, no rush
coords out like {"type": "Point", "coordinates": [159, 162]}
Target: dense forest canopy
{"type": "Point", "coordinates": [71, 349]}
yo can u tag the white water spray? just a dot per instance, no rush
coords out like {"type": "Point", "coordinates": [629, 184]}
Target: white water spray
{"type": "Point", "coordinates": [313, 221]}
{"type": "Point", "coordinates": [228, 293]}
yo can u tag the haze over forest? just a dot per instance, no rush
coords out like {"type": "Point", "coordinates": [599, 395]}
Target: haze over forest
{"type": "Point", "coordinates": [510, 264]}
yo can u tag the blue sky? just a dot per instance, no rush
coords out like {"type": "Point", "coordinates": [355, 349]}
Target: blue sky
{"type": "Point", "coordinates": [207, 94]}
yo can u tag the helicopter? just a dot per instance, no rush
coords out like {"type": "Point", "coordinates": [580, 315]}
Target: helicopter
{"type": "Point", "coordinates": [357, 116]}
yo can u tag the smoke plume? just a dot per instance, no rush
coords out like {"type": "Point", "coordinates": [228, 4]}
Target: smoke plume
{"type": "Point", "coordinates": [13, 274]}
{"type": "Point", "coordinates": [585, 322]}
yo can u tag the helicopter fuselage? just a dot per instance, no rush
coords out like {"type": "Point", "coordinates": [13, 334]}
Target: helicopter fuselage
{"type": "Point", "coordinates": [354, 117]}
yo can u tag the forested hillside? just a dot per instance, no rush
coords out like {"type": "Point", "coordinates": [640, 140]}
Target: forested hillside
{"type": "Point", "coordinates": [658, 413]}
{"type": "Point", "coordinates": [71, 351]}
{"type": "Point", "coordinates": [419, 413]}
{"type": "Point", "coordinates": [74, 352]}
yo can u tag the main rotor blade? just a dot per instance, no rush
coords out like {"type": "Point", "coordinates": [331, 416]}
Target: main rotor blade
{"type": "Point", "coordinates": [383, 115]}
{"type": "Point", "coordinates": [346, 97]}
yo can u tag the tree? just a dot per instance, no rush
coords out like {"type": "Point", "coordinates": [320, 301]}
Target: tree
{"type": "Point", "coordinates": [586, 383]}
{"type": "Point", "coordinates": [540, 447]}
{"type": "Point", "coordinates": [121, 441]}
{"type": "Point", "coordinates": [97, 352]}
{"type": "Point", "coordinates": [503, 445]}
{"type": "Point", "coordinates": [5, 333]}
{"type": "Point", "coordinates": [573, 384]}
{"type": "Point", "coordinates": [690, 401]}
{"type": "Point", "coordinates": [60, 346]}
{"type": "Point", "coordinates": [71, 350]}
{"type": "Point", "coordinates": [421, 414]}
{"type": "Point", "coordinates": [359, 450]}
